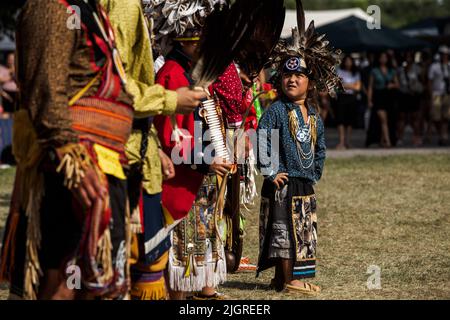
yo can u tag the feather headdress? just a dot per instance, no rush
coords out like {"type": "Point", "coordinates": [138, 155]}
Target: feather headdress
{"type": "Point", "coordinates": [321, 59]}
{"type": "Point", "coordinates": [173, 18]}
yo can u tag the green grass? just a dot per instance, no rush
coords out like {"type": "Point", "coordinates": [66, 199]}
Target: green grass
{"type": "Point", "coordinates": [392, 212]}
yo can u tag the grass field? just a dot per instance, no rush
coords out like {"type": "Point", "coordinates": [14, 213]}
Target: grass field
{"type": "Point", "coordinates": [391, 212]}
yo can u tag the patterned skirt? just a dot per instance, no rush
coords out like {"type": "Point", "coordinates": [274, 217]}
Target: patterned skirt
{"type": "Point", "coordinates": [288, 226]}
{"type": "Point", "coordinates": [197, 259]}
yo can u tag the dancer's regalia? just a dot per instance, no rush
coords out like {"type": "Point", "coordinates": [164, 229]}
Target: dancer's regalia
{"type": "Point", "coordinates": [196, 259]}
{"type": "Point", "coordinates": [74, 115]}
{"type": "Point", "coordinates": [150, 238]}
{"type": "Point", "coordinates": [288, 221]}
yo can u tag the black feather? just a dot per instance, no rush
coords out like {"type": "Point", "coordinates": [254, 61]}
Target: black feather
{"type": "Point", "coordinates": [257, 50]}
{"type": "Point", "coordinates": [223, 36]}
{"type": "Point", "coordinates": [300, 18]}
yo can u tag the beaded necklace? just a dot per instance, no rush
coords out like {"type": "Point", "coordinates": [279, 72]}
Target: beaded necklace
{"type": "Point", "coordinates": [302, 134]}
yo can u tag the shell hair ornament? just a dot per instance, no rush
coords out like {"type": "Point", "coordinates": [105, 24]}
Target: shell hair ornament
{"type": "Point", "coordinates": [313, 54]}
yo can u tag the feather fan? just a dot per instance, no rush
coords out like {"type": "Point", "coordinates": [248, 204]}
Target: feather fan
{"type": "Point", "coordinates": [225, 33]}
{"type": "Point", "coordinates": [257, 50]}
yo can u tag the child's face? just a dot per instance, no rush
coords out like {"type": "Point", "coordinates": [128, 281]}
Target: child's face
{"type": "Point", "coordinates": [295, 85]}
{"type": "Point", "coordinates": [190, 48]}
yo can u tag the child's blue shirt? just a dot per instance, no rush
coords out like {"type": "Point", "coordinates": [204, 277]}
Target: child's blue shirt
{"type": "Point", "coordinates": [276, 117]}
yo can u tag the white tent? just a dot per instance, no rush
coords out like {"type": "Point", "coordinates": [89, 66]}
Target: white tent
{"type": "Point", "coordinates": [321, 17]}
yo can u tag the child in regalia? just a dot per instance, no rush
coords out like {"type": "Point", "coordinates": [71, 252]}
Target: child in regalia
{"type": "Point", "coordinates": [288, 221]}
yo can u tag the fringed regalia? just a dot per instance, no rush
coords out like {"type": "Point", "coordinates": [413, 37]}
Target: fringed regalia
{"type": "Point", "coordinates": [75, 116]}
{"type": "Point", "coordinates": [197, 258]}
{"type": "Point", "coordinates": [288, 221]}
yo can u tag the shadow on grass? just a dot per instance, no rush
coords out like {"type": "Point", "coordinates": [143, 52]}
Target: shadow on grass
{"type": "Point", "coordinates": [242, 285]}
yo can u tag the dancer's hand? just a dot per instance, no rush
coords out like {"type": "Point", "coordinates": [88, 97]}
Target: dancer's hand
{"type": "Point", "coordinates": [90, 190]}
{"type": "Point", "coordinates": [188, 100]}
{"type": "Point", "coordinates": [280, 180]}
{"type": "Point", "coordinates": [220, 167]}
{"type": "Point", "coordinates": [168, 170]}
{"type": "Point", "coordinates": [246, 81]}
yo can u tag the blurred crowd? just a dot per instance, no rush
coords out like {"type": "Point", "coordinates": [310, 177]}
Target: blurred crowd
{"type": "Point", "coordinates": [387, 92]}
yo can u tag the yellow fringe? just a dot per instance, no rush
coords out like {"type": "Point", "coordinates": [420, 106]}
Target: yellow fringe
{"type": "Point", "coordinates": [149, 290]}
{"type": "Point", "coordinates": [293, 124]}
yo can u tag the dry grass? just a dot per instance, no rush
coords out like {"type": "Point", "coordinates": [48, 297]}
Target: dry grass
{"type": "Point", "coordinates": [393, 212]}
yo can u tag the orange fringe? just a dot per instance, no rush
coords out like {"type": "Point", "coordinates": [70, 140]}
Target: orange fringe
{"type": "Point", "coordinates": [149, 291]}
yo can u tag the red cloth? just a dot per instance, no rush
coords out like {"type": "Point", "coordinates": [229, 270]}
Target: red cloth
{"type": "Point", "coordinates": [228, 88]}
{"type": "Point", "coordinates": [179, 193]}
{"type": "Point", "coordinates": [251, 122]}
{"type": "Point", "coordinates": [267, 87]}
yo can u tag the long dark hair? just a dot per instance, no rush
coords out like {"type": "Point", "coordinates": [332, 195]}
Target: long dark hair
{"type": "Point", "coordinates": [354, 69]}
{"type": "Point", "coordinates": [377, 60]}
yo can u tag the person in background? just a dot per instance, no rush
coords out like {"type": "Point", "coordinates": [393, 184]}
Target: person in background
{"type": "Point", "coordinates": [439, 86]}
{"type": "Point", "coordinates": [411, 90]}
{"type": "Point", "coordinates": [425, 125]}
{"type": "Point", "coordinates": [346, 104]}
{"type": "Point", "coordinates": [8, 86]}
{"type": "Point", "coordinates": [383, 82]}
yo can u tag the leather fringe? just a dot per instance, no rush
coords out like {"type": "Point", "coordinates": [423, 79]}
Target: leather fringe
{"type": "Point", "coordinates": [135, 221]}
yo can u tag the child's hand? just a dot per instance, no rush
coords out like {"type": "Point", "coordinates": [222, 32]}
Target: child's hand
{"type": "Point", "coordinates": [220, 167]}
{"type": "Point", "coordinates": [280, 180]}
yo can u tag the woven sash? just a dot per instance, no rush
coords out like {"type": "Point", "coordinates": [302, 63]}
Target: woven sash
{"type": "Point", "coordinates": [102, 121]}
